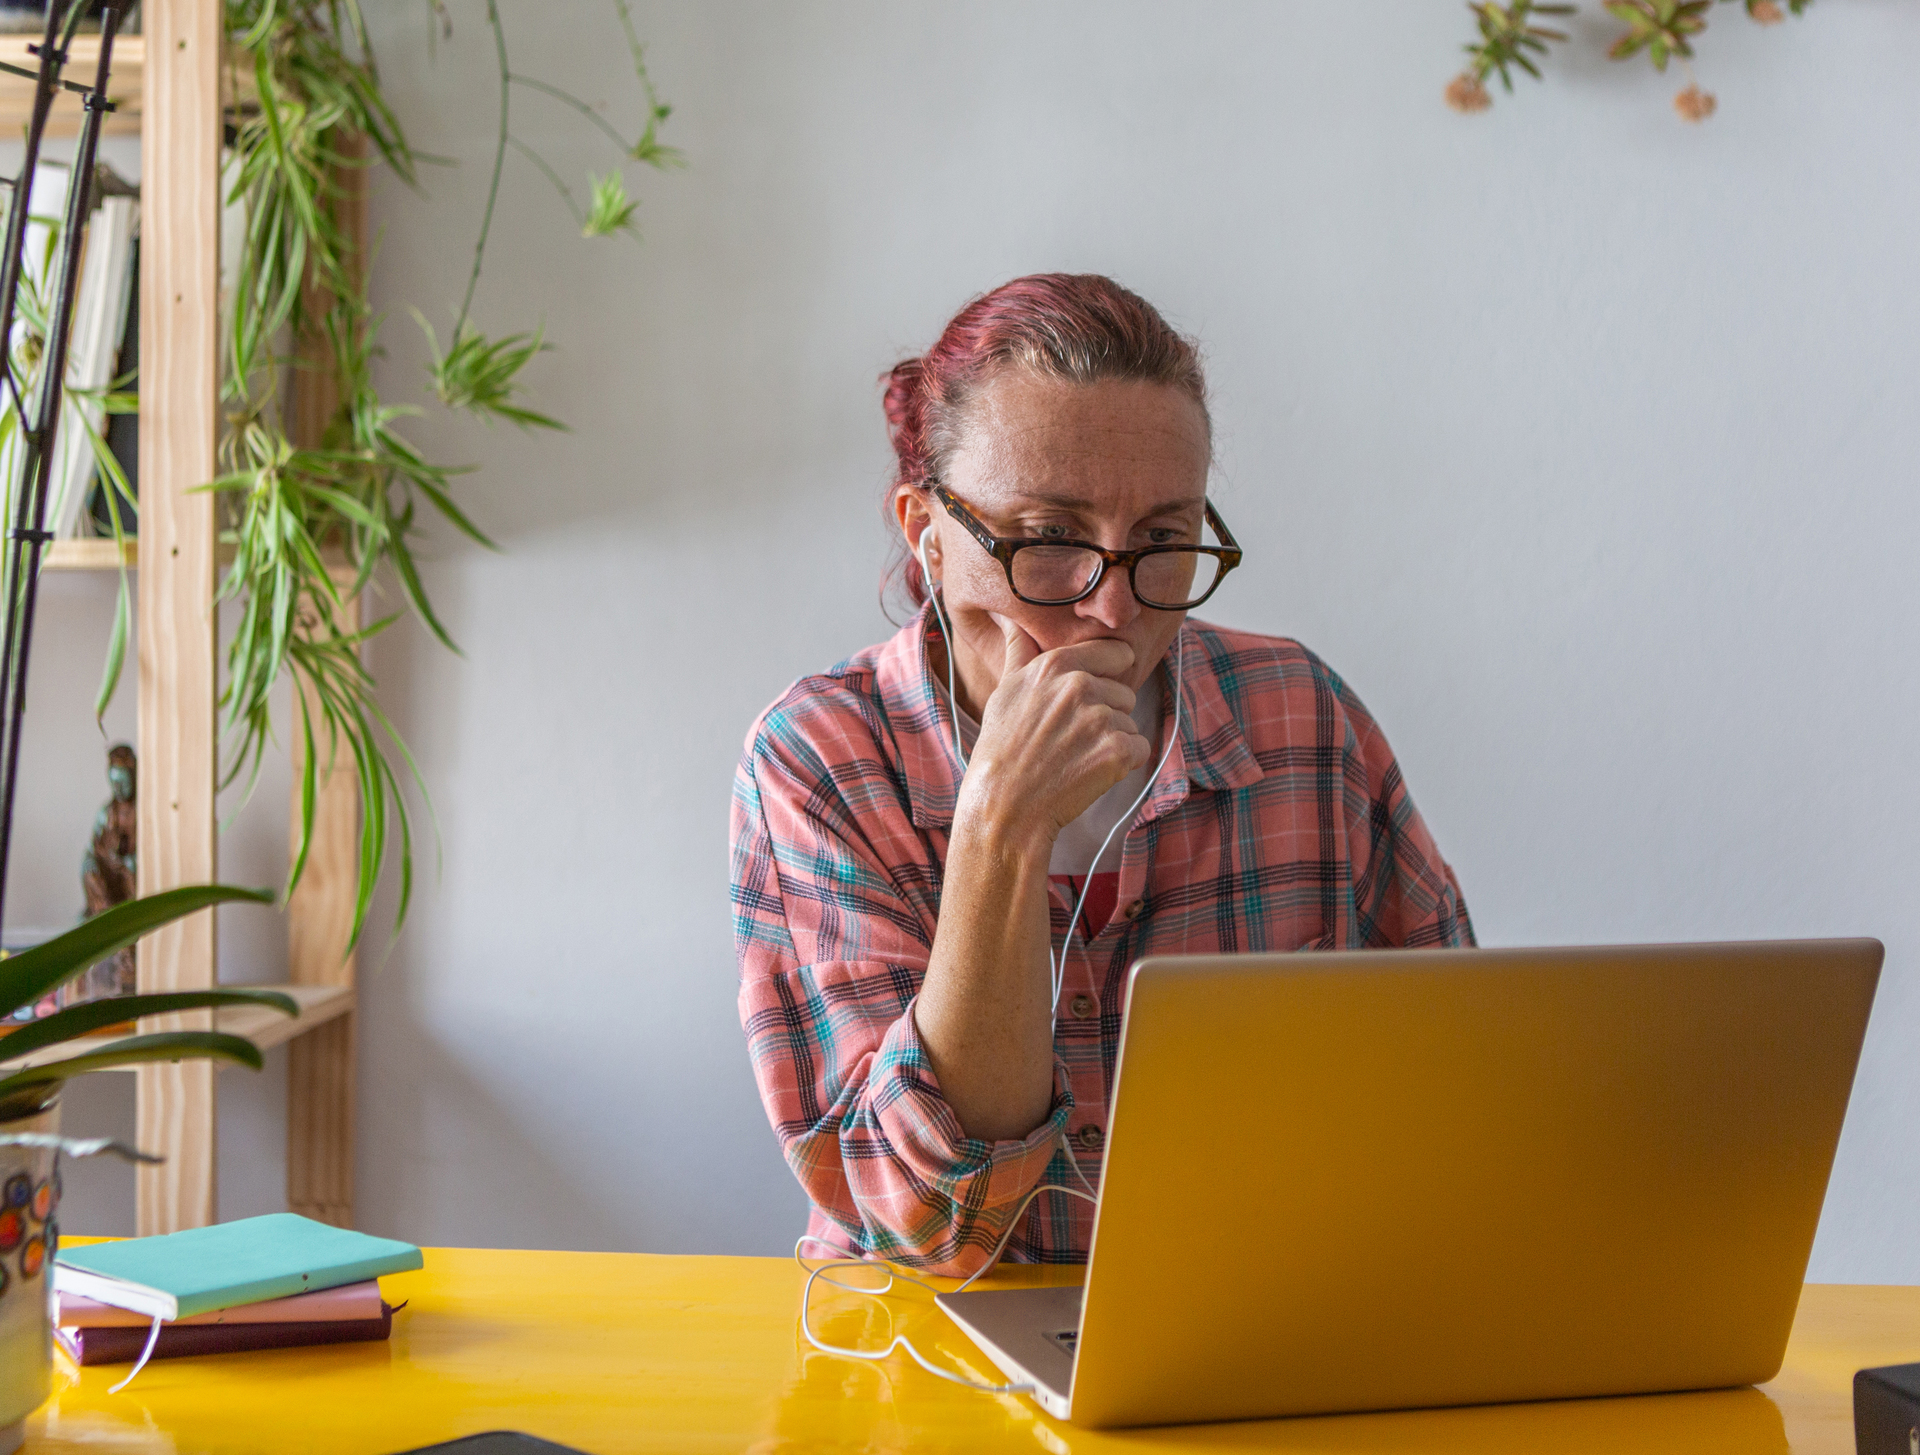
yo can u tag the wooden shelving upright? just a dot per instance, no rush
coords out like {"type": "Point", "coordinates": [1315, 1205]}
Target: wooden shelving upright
{"type": "Point", "coordinates": [169, 90]}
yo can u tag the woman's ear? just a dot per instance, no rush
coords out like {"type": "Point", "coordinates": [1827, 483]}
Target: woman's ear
{"type": "Point", "coordinates": [910, 507]}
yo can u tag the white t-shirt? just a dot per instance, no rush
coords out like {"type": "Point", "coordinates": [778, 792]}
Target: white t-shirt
{"type": "Point", "coordinates": [1080, 840]}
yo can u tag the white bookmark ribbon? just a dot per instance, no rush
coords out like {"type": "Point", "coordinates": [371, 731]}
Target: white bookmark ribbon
{"type": "Point", "coordinates": [153, 1337]}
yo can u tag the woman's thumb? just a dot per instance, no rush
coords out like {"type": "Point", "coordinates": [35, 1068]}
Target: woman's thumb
{"type": "Point", "coordinates": [1021, 648]}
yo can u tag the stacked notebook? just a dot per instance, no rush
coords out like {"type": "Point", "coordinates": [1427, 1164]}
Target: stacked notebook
{"type": "Point", "coordinates": [273, 1282]}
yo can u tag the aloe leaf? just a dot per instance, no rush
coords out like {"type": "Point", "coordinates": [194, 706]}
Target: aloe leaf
{"type": "Point", "coordinates": [93, 1015]}
{"type": "Point", "coordinates": [135, 1050]}
{"type": "Point", "coordinates": [27, 976]}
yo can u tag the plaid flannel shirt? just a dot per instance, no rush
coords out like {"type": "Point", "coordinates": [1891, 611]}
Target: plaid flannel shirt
{"type": "Point", "coordinates": [1279, 822]}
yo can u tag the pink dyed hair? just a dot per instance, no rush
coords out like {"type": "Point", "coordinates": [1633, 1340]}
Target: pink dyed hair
{"type": "Point", "coordinates": [1076, 327]}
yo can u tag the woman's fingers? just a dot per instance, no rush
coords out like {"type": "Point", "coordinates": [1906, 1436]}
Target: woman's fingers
{"type": "Point", "coordinates": [1101, 657]}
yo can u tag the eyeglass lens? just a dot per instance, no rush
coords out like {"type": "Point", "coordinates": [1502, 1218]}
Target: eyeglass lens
{"type": "Point", "coordinates": [1057, 574]}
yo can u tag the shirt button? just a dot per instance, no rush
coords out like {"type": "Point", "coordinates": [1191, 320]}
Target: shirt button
{"type": "Point", "coordinates": [1081, 1006]}
{"type": "Point", "coordinates": [1091, 1138]}
{"type": "Point", "coordinates": [1132, 911]}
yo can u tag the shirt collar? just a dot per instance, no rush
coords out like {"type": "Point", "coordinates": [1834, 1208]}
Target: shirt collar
{"type": "Point", "coordinates": [1212, 753]}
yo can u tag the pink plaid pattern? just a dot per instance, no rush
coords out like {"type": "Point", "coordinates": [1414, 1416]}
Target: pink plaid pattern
{"type": "Point", "coordinates": [1279, 822]}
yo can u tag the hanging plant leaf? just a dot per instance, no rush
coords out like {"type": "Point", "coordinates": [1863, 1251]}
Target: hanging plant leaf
{"type": "Point", "coordinates": [1659, 27]}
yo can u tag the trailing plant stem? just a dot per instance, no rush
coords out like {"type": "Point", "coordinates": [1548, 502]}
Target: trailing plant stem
{"type": "Point", "coordinates": [499, 163]}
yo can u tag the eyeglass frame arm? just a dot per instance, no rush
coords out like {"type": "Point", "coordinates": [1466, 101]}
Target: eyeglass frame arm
{"type": "Point", "coordinates": [1003, 548]}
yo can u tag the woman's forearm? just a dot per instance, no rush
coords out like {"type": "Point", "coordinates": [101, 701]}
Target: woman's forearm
{"type": "Point", "coordinates": [1055, 735]}
{"type": "Point", "coordinates": [985, 1008]}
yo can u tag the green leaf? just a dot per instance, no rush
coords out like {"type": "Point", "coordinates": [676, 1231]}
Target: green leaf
{"type": "Point", "coordinates": [610, 211]}
{"type": "Point", "coordinates": [1507, 34]}
{"type": "Point", "coordinates": [93, 1015]}
{"type": "Point", "coordinates": [27, 976]}
{"type": "Point", "coordinates": [481, 375]}
{"type": "Point", "coordinates": [116, 489]}
{"type": "Point", "coordinates": [133, 1051]}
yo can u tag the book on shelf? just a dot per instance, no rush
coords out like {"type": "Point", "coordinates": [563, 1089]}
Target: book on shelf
{"type": "Point", "coordinates": [103, 301]}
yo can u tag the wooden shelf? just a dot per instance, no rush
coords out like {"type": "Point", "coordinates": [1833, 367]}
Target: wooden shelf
{"type": "Point", "coordinates": [174, 87]}
{"type": "Point", "coordinates": [266, 1028]}
{"type": "Point", "coordinates": [86, 555]}
{"type": "Point", "coordinates": [127, 88]}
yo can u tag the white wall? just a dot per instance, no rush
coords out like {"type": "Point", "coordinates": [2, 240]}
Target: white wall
{"type": "Point", "coordinates": [1580, 440]}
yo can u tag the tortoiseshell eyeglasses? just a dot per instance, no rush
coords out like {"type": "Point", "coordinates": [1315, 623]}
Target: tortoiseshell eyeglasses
{"type": "Point", "coordinates": [1047, 572]}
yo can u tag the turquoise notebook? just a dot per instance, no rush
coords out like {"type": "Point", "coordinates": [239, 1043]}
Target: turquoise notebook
{"type": "Point", "coordinates": [198, 1270]}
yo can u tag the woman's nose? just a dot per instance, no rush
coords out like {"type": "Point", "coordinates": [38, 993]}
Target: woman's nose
{"type": "Point", "coordinates": [1113, 603]}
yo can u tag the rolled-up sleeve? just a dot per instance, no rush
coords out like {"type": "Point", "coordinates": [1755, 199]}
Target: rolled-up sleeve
{"type": "Point", "coordinates": [833, 940]}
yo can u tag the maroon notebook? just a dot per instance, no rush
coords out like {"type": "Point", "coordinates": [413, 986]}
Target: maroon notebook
{"type": "Point", "coordinates": [122, 1345]}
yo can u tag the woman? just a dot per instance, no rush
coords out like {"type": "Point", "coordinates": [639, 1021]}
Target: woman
{"type": "Point", "coordinates": [913, 829]}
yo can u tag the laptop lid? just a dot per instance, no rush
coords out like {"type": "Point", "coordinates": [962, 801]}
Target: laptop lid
{"type": "Point", "coordinates": [1356, 1181]}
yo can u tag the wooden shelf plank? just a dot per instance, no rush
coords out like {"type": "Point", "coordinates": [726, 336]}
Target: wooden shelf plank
{"type": "Point", "coordinates": [266, 1028]}
{"type": "Point", "coordinates": [89, 553]}
{"type": "Point", "coordinates": [127, 88]}
{"type": "Point", "coordinates": [86, 555]}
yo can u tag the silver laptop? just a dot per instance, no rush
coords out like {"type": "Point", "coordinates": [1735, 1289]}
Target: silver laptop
{"type": "Point", "coordinates": [1382, 1180]}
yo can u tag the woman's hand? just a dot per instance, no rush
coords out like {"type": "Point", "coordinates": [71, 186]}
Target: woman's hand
{"type": "Point", "coordinates": [1056, 734]}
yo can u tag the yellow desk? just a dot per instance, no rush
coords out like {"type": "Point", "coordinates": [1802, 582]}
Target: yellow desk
{"type": "Point", "coordinates": [616, 1352]}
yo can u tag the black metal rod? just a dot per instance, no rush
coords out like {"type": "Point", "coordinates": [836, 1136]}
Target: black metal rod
{"type": "Point", "coordinates": [29, 534]}
{"type": "Point", "coordinates": [46, 82]}
{"type": "Point", "coordinates": [11, 250]}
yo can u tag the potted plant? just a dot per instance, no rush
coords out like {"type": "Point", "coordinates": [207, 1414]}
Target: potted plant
{"type": "Point", "coordinates": [30, 1144]}
{"type": "Point", "coordinates": [38, 1059]}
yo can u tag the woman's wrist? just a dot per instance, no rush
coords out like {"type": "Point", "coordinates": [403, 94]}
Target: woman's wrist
{"type": "Point", "coordinates": [1002, 826]}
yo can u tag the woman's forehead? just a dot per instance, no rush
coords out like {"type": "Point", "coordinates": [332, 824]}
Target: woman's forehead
{"type": "Point", "coordinates": [1081, 446]}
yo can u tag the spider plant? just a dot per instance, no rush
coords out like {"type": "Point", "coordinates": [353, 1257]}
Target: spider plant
{"type": "Point", "coordinates": [28, 976]}
{"type": "Point", "coordinates": [312, 520]}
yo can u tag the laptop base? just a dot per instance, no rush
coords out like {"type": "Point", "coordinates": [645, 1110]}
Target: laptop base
{"type": "Point", "coordinates": [1031, 1333]}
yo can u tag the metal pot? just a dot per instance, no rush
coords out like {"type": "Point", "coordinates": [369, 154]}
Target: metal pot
{"type": "Point", "coordinates": [29, 1197]}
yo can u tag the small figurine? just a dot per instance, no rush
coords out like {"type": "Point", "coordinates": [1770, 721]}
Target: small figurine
{"type": "Point", "coordinates": [107, 873]}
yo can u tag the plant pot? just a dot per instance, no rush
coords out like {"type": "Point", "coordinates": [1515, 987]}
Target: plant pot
{"type": "Point", "coordinates": [29, 1195]}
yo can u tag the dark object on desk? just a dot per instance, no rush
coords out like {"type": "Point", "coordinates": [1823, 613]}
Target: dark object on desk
{"type": "Point", "coordinates": [496, 1442]}
{"type": "Point", "coordinates": [121, 1344]}
{"type": "Point", "coordinates": [108, 871]}
{"type": "Point", "coordinates": [1886, 1410]}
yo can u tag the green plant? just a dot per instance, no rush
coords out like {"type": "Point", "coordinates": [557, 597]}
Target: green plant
{"type": "Point", "coordinates": [1507, 35]}
{"type": "Point", "coordinates": [1659, 27]}
{"type": "Point", "coordinates": [311, 521]}
{"type": "Point", "coordinates": [28, 976]}
{"type": "Point", "coordinates": [1662, 29]}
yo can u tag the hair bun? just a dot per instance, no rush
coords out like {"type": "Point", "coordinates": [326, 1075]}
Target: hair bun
{"type": "Point", "coordinates": [905, 406]}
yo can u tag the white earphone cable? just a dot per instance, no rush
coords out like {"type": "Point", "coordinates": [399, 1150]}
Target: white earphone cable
{"type": "Point", "coordinates": [822, 1273]}
{"type": "Point", "coordinates": [946, 636]}
{"type": "Point", "coordinates": [1056, 965]}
